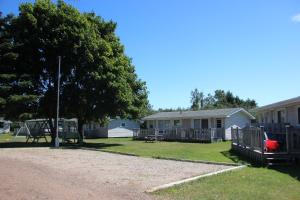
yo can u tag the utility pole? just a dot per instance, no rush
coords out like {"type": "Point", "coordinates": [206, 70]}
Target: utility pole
{"type": "Point", "coordinates": [57, 105]}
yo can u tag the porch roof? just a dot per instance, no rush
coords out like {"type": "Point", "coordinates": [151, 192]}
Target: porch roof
{"type": "Point", "coordinates": [216, 113]}
{"type": "Point", "coordinates": [279, 104]}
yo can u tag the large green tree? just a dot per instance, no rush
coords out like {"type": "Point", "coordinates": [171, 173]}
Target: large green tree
{"type": "Point", "coordinates": [97, 79]}
{"type": "Point", "coordinates": [18, 98]}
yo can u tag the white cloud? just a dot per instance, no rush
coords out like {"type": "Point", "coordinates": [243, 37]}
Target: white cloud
{"type": "Point", "coordinates": [296, 18]}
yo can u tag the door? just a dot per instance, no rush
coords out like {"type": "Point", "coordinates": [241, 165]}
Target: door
{"type": "Point", "coordinates": [186, 123]}
{"type": "Point", "coordinates": [279, 117]}
{"type": "Point", "coordinates": [204, 123]}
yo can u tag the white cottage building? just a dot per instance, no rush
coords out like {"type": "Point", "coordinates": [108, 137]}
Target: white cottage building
{"type": "Point", "coordinates": [202, 119]}
{"type": "Point", "coordinates": [4, 126]}
{"type": "Point", "coordinates": [115, 128]}
{"type": "Point", "coordinates": [283, 112]}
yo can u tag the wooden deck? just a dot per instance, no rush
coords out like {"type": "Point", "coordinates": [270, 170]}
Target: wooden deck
{"type": "Point", "coordinates": [250, 142]}
{"type": "Point", "coordinates": [180, 134]}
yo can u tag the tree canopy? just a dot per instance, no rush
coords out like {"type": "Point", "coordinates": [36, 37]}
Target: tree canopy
{"type": "Point", "coordinates": [98, 79]}
{"type": "Point", "coordinates": [196, 99]}
{"type": "Point", "coordinates": [222, 99]}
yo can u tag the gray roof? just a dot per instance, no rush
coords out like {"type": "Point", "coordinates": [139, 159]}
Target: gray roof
{"type": "Point", "coordinates": [227, 112]}
{"type": "Point", "coordinates": [287, 102]}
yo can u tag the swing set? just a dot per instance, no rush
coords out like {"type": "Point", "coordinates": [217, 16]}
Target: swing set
{"type": "Point", "coordinates": [37, 129]}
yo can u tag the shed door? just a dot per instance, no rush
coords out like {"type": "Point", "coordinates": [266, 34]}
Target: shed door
{"type": "Point", "coordinates": [204, 123]}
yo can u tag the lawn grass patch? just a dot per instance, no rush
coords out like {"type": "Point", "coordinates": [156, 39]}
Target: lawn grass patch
{"type": "Point", "coordinates": [248, 183]}
{"type": "Point", "coordinates": [214, 152]}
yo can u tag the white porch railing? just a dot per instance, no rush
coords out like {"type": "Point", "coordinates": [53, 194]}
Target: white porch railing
{"type": "Point", "coordinates": [181, 134]}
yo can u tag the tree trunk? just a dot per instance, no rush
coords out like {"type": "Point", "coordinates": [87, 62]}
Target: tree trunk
{"type": "Point", "coordinates": [80, 130]}
{"type": "Point", "coordinates": [53, 131]}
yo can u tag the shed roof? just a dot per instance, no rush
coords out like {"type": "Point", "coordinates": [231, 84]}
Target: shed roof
{"type": "Point", "coordinates": [227, 112]}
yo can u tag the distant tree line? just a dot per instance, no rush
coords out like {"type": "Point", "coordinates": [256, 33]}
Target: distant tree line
{"type": "Point", "coordinates": [220, 99]}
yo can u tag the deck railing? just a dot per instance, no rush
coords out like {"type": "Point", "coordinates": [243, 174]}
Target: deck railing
{"type": "Point", "coordinates": [250, 141]}
{"type": "Point", "coordinates": [250, 138]}
{"type": "Point", "coordinates": [181, 134]}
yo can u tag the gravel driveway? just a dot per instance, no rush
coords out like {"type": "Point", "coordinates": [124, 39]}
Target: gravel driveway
{"type": "Point", "coordinates": [82, 174]}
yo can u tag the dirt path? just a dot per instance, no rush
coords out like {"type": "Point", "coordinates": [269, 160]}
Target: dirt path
{"type": "Point", "coordinates": [79, 174]}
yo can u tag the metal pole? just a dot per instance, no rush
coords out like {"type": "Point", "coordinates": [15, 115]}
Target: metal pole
{"type": "Point", "coordinates": [57, 104]}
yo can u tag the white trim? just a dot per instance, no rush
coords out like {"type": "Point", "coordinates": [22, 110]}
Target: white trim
{"type": "Point", "coordinates": [284, 103]}
{"type": "Point", "coordinates": [244, 111]}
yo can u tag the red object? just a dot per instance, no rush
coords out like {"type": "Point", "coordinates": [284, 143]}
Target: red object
{"type": "Point", "coordinates": [272, 145]}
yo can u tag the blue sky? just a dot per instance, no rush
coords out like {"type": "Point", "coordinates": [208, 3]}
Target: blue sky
{"type": "Point", "coordinates": [250, 47]}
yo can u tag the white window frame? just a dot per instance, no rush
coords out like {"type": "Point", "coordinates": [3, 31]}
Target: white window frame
{"type": "Point", "coordinates": [217, 119]}
{"type": "Point", "coordinates": [177, 125]}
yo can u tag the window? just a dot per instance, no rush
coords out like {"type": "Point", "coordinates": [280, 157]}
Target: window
{"type": "Point", "coordinates": [299, 115]}
{"type": "Point", "coordinates": [123, 124]}
{"type": "Point", "coordinates": [176, 123]}
{"type": "Point", "coordinates": [281, 117]}
{"type": "Point", "coordinates": [219, 123]}
{"type": "Point", "coordinates": [197, 124]}
{"type": "Point", "coordinates": [163, 124]}
{"type": "Point", "coordinates": [1, 124]}
{"type": "Point", "coordinates": [150, 124]}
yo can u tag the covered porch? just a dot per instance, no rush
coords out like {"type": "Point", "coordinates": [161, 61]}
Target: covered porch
{"type": "Point", "coordinates": [184, 129]}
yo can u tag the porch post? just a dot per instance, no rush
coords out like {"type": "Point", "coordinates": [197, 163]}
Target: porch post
{"type": "Point", "coordinates": [262, 132]}
{"type": "Point", "coordinates": [287, 138]}
{"type": "Point", "coordinates": [237, 136]}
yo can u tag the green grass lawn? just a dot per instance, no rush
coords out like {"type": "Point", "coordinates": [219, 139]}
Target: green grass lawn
{"type": "Point", "coordinates": [217, 152]}
{"type": "Point", "coordinates": [249, 183]}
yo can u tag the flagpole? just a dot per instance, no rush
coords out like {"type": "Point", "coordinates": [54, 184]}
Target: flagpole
{"type": "Point", "coordinates": [57, 104]}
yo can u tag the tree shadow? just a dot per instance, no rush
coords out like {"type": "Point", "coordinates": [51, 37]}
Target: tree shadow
{"type": "Point", "coordinates": [23, 144]}
{"type": "Point", "coordinates": [237, 158]}
{"type": "Point", "coordinates": [99, 145]}
{"type": "Point", "coordinates": [69, 145]}
{"type": "Point", "coordinates": [292, 170]}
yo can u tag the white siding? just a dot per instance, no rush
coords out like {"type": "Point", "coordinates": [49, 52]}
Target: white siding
{"type": "Point", "coordinates": [5, 128]}
{"type": "Point", "coordinates": [239, 119]}
{"type": "Point", "coordinates": [120, 132]}
{"type": "Point", "coordinates": [114, 128]}
{"type": "Point", "coordinates": [129, 124]}
{"type": "Point", "coordinates": [290, 114]}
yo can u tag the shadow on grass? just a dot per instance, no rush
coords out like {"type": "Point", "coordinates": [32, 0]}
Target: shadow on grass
{"type": "Point", "coordinates": [239, 158]}
{"type": "Point", "coordinates": [292, 170]}
{"type": "Point", "coordinates": [99, 145]}
{"type": "Point", "coordinates": [13, 144]}
{"type": "Point", "coordinates": [23, 144]}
